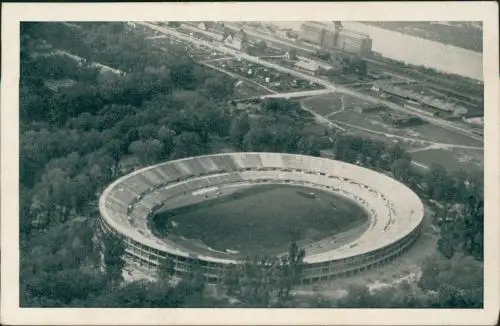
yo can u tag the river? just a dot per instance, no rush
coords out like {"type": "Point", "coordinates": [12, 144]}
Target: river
{"type": "Point", "coordinates": [417, 51]}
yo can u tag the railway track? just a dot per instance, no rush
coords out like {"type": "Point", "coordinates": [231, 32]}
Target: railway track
{"type": "Point", "coordinates": [328, 85]}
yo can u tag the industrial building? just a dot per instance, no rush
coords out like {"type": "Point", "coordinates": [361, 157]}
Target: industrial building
{"type": "Point", "coordinates": [426, 101]}
{"type": "Point", "coordinates": [333, 37]}
{"type": "Point", "coordinates": [402, 120]}
{"type": "Point", "coordinates": [311, 66]}
{"type": "Point", "coordinates": [216, 28]}
{"type": "Point", "coordinates": [236, 40]}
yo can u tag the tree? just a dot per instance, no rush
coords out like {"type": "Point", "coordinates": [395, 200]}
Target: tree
{"type": "Point", "coordinates": [459, 280]}
{"type": "Point", "coordinates": [308, 145]}
{"type": "Point", "coordinates": [256, 139]}
{"type": "Point", "coordinates": [148, 151]}
{"type": "Point", "coordinates": [187, 144]}
{"type": "Point", "coordinates": [291, 267]}
{"type": "Point", "coordinates": [174, 24]}
{"type": "Point", "coordinates": [51, 196]}
{"type": "Point", "coordinates": [166, 135]}
{"type": "Point", "coordinates": [114, 262]}
{"type": "Point", "coordinates": [166, 270]}
{"type": "Point", "coordinates": [218, 88]}
{"type": "Point", "coordinates": [401, 169]}
{"type": "Point", "coordinates": [182, 73]}
{"type": "Point", "coordinates": [358, 297]}
{"type": "Point", "coordinates": [239, 128]}
{"type": "Point", "coordinates": [232, 277]}
{"type": "Point", "coordinates": [84, 189]}
{"type": "Point", "coordinates": [116, 149]}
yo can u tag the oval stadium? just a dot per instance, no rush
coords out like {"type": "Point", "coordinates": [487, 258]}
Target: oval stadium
{"type": "Point", "coordinates": [212, 210]}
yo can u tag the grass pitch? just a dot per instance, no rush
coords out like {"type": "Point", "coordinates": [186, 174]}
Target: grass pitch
{"type": "Point", "coordinates": [262, 219]}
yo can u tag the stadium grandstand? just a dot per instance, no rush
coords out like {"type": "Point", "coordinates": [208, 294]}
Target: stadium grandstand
{"type": "Point", "coordinates": [395, 212]}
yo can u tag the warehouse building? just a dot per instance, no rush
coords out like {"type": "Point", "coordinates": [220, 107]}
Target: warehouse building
{"type": "Point", "coordinates": [312, 32]}
{"type": "Point", "coordinates": [402, 120]}
{"type": "Point", "coordinates": [426, 101]}
{"type": "Point", "coordinates": [309, 66]}
{"type": "Point", "coordinates": [312, 66]}
{"type": "Point", "coordinates": [237, 40]}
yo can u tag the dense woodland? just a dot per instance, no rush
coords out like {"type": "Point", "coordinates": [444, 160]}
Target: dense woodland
{"type": "Point", "coordinates": [164, 106]}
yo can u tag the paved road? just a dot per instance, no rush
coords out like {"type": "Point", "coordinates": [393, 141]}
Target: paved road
{"type": "Point", "coordinates": [94, 64]}
{"type": "Point", "coordinates": [311, 48]}
{"type": "Point", "coordinates": [299, 94]}
{"type": "Point", "coordinates": [222, 48]}
{"type": "Point", "coordinates": [442, 123]}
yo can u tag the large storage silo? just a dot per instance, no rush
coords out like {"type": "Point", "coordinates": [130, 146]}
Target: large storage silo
{"type": "Point", "coordinates": [330, 39]}
{"type": "Point", "coordinates": [353, 42]}
{"type": "Point", "coordinates": [312, 32]}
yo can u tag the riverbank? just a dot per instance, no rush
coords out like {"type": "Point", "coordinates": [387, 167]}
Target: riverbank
{"type": "Point", "coordinates": [465, 35]}
{"type": "Point", "coordinates": [416, 51]}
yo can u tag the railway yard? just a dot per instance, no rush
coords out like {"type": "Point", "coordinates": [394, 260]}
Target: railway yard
{"type": "Point", "coordinates": [372, 105]}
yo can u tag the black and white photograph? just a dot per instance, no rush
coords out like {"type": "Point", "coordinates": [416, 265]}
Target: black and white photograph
{"type": "Point", "coordinates": [250, 158]}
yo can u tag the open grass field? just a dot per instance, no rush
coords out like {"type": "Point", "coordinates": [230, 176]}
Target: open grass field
{"type": "Point", "coordinates": [327, 104]}
{"type": "Point", "coordinates": [262, 219]}
{"type": "Point", "coordinates": [323, 104]}
{"type": "Point", "coordinates": [427, 132]}
{"type": "Point", "coordinates": [404, 144]}
{"type": "Point", "coordinates": [437, 134]}
{"type": "Point", "coordinates": [451, 159]}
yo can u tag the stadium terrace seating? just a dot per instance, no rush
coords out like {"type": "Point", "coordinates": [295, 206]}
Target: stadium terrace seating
{"type": "Point", "coordinates": [170, 171]}
{"type": "Point", "coordinates": [292, 162]}
{"type": "Point", "coordinates": [251, 160]}
{"type": "Point", "coordinates": [271, 160]}
{"type": "Point", "coordinates": [140, 209]}
{"type": "Point", "coordinates": [116, 200]}
{"type": "Point", "coordinates": [183, 168]}
{"type": "Point", "coordinates": [395, 212]}
{"type": "Point", "coordinates": [162, 175]}
{"type": "Point", "coordinates": [149, 201]}
{"type": "Point", "coordinates": [153, 177]}
{"type": "Point", "coordinates": [136, 184]}
{"type": "Point", "coordinates": [143, 180]}
{"type": "Point", "coordinates": [202, 183]}
{"type": "Point", "coordinates": [224, 163]}
{"type": "Point", "coordinates": [208, 166]}
{"type": "Point", "coordinates": [115, 207]}
{"type": "Point", "coordinates": [125, 194]}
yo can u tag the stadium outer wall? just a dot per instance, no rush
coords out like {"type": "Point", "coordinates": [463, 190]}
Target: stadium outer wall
{"type": "Point", "coordinates": [395, 211]}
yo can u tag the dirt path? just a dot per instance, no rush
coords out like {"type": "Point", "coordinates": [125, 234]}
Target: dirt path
{"type": "Point", "coordinates": [409, 139]}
